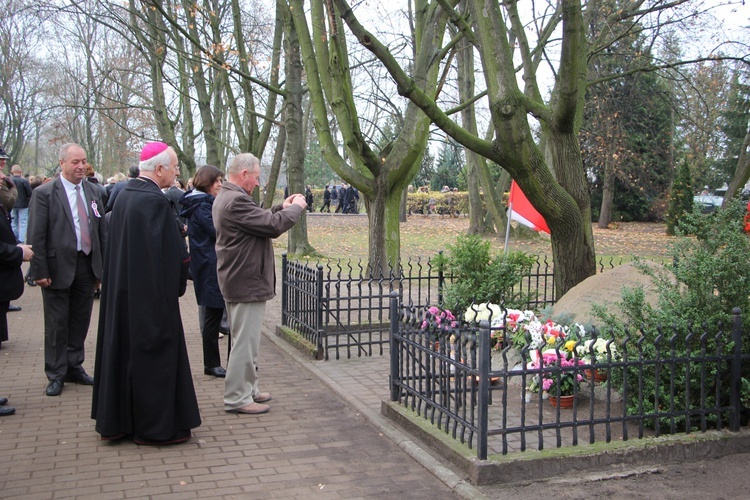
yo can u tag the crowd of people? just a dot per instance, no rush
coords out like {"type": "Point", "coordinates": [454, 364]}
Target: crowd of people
{"type": "Point", "coordinates": [345, 199]}
{"type": "Point", "coordinates": [140, 240]}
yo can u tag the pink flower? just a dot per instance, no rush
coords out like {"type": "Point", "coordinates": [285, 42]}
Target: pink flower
{"type": "Point", "coordinates": [439, 317]}
{"type": "Point", "coordinates": [551, 357]}
{"type": "Point", "coordinates": [434, 311]}
{"type": "Point", "coordinates": [547, 383]}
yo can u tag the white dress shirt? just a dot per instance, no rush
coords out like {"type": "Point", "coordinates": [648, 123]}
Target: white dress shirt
{"type": "Point", "coordinates": [70, 190]}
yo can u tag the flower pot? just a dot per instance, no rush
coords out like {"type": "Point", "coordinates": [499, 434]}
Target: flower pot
{"type": "Point", "coordinates": [597, 375]}
{"type": "Point", "coordinates": [563, 401]}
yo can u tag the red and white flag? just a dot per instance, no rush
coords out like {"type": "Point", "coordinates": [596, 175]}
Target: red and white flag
{"type": "Point", "coordinates": [520, 210]}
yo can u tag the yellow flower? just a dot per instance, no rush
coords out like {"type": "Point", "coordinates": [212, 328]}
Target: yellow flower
{"type": "Point", "coordinates": [569, 345]}
{"type": "Point", "coordinates": [551, 340]}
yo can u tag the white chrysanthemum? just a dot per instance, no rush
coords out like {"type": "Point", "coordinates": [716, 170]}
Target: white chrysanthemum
{"type": "Point", "coordinates": [483, 312]}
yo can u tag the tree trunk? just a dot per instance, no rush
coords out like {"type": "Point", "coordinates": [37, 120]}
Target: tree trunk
{"type": "Point", "coordinates": [273, 176]}
{"type": "Point", "coordinates": [380, 179]}
{"type": "Point", "coordinates": [741, 173]}
{"type": "Point", "coordinates": [476, 168]}
{"type": "Point", "coordinates": [402, 208]}
{"type": "Point", "coordinates": [608, 195]}
{"type": "Point", "coordinates": [573, 249]}
{"type": "Point", "coordinates": [295, 143]}
{"type": "Point", "coordinates": [385, 244]}
{"type": "Point", "coordinates": [476, 212]}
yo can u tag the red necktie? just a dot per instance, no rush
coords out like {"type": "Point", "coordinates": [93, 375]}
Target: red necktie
{"type": "Point", "coordinates": [83, 220]}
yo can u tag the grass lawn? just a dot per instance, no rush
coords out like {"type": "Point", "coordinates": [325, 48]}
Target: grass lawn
{"type": "Point", "coordinates": [345, 236]}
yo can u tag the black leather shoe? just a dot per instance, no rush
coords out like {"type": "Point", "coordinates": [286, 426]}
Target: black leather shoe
{"type": "Point", "coordinates": [3, 401]}
{"type": "Point", "coordinates": [54, 388]}
{"type": "Point", "coordinates": [81, 378]}
{"type": "Point", "coordinates": [6, 410]}
{"type": "Point", "coordinates": [216, 371]}
{"type": "Point", "coordinates": [14, 308]}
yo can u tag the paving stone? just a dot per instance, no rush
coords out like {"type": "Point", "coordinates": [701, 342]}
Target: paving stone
{"type": "Point", "coordinates": [312, 442]}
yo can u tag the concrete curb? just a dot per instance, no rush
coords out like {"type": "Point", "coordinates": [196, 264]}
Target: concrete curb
{"type": "Point", "coordinates": [459, 485]}
{"type": "Point", "coordinates": [554, 463]}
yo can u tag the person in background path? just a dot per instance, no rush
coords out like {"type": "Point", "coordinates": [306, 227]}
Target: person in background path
{"type": "Point", "coordinates": [144, 388]}
{"type": "Point", "coordinates": [11, 277]}
{"type": "Point", "coordinates": [326, 200]}
{"type": "Point", "coordinates": [353, 200]}
{"type": "Point", "coordinates": [335, 197]}
{"type": "Point", "coordinates": [309, 198]}
{"type": "Point", "coordinates": [133, 173]}
{"type": "Point", "coordinates": [343, 199]}
{"type": "Point", "coordinates": [20, 213]}
{"type": "Point", "coordinates": [247, 274]}
{"type": "Point", "coordinates": [67, 230]}
{"type": "Point", "coordinates": [196, 210]}
{"type": "Point", "coordinates": [116, 179]}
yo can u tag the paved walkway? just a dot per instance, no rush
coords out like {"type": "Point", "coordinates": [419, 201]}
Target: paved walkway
{"type": "Point", "coordinates": [321, 440]}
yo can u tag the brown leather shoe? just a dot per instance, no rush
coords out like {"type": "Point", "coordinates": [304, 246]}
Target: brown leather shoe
{"type": "Point", "coordinates": [251, 409]}
{"type": "Point", "coordinates": [263, 397]}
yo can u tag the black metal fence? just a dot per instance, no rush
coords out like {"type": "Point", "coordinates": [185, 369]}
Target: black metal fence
{"type": "Point", "coordinates": [343, 311]}
{"type": "Point", "coordinates": [445, 375]}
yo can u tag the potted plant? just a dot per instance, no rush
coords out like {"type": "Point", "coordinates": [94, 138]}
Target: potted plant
{"type": "Point", "coordinates": [438, 320]}
{"type": "Point", "coordinates": [504, 323]}
{"type": "Point", "coordinates": [559, 385]}
{"type": "Point", "coordinates": [597, 351]}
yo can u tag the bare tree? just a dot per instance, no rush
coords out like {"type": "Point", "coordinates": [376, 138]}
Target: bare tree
{"type": "Point", "coordinates": [550, 172]}
{"type": "Point", "coordinates": [382, 175]}
{"type": "Point", "coordinates": [21, 78]}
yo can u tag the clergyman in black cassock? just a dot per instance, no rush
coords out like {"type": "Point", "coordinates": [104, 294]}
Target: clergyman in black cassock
{"type": "Point", "coordinates": [143, 385]}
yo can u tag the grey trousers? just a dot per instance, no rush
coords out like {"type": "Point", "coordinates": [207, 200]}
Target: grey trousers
{"type": "Point", "coordinates": [241, 382]}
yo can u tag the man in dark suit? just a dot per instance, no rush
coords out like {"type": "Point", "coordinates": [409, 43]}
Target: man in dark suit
{"type": "Point", "coordinates": [68, 233]}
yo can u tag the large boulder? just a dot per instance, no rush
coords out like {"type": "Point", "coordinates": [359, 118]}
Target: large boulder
{"type": "Point", "coordinates": [603, 289]}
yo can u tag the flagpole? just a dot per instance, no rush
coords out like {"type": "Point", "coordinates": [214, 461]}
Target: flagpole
{"type": "Point", "coordinates": [507, 227]}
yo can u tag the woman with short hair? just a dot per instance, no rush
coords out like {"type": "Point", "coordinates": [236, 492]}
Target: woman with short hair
{"type": "Point", "coordinates": [201, 234]}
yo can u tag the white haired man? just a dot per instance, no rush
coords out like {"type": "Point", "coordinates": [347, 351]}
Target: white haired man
{"type": "Point", "coordinates": [247, 274]}
{"type": "Point", "coordinates": [144, 389]}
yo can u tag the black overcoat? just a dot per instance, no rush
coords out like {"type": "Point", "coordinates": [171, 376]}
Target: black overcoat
{"type": "Point", "coordinates": [143, 386]}
{"type": "Point", "coordinates": [11, 258]}
{"type": "Point", "coordinates": [11, 277]}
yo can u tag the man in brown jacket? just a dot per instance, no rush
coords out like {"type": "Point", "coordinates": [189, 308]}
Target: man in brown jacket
{"type": "Point", "coordinates": [247, 273]}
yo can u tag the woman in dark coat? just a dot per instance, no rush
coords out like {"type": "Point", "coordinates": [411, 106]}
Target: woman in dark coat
{"type": "Point", "coordinates": [11, 257]}
{"type": "Point", "coordinates": [202, 238]}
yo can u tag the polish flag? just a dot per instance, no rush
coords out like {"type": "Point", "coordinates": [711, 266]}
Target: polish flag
{"type": "Point", "coordinates": [520, 210]}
